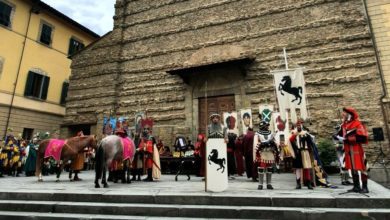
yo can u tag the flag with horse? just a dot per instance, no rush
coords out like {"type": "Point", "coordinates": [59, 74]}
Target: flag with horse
{"type": "Point", "coordinates": [291, 93]}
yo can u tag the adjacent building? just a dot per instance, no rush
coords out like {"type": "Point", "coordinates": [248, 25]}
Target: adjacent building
{"type": "Point", "coordinates": [37, 43]}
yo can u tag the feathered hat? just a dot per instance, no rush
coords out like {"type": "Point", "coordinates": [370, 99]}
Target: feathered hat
{"type": "Point", "coordinates": [147, 122]}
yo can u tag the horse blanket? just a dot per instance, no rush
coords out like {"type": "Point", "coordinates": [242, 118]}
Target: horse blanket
{"type": "Point", "coordinates": [54, 149]}
{"type": "Point", "coordinates": [128, 148]}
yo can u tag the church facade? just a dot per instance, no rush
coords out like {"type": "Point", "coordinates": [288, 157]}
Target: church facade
{"type": "Point", "coordinates": [180, 60]}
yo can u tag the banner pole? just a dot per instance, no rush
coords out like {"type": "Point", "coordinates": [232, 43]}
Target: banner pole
{"type": "Point", "coordinates": [285, 57]}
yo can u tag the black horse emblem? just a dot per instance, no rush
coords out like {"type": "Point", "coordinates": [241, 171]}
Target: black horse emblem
{"type": "Point", "coordinates": [214, 158]}
{"type": "Point", "coordinates": [286, 86]}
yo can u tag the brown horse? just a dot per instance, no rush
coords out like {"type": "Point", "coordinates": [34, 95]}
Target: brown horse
{"type": "Point", "coordinates": [72, 147]}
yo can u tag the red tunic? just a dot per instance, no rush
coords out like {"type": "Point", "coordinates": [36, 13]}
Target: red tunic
{"type": "Point", "coordinates": [147, 146]}
{"type": "Point", "coordinates": [355, 135]}
{"type": "Point", "coordinates": [200, 149]}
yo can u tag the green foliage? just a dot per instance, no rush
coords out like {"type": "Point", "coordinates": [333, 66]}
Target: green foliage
{"type": "Point", "coordinates": [326, 151]}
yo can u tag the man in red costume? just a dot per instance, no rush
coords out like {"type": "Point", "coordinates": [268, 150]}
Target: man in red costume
{"type": "Point", "coordinates": [78, 164]}
{"type": "Point", "coordinates": [239, 155]}
{"type": "Point", "coordinates": [200, 155]}
{"type": "Point", "coordinates": [247, 143]}
{"type": "Point", "coordinates": [147, 145]}
{"type": "Point", "coordinates": [353, 134]}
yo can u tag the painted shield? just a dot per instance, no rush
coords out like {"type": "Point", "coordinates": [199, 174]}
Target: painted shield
{"type": "Point", "coordinates": [137, 121]}
{"type": "Point", "coordinates": [216, 165]}
{"type": "Point", "coordinates": [266, 112]}
{"type": "Point", "coordinates": [230, 122]}
{"type": "Point", "coordinates": [246, 119]}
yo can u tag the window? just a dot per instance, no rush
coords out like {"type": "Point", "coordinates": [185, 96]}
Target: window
{"type": "Point", "coordinates": [64, 92]}
{"type": "Point", "coordinates": [27, 133]}
{"type": "Point", "coordinates": [36, 85]}
{"type": "Point", "coordinates": [74, 46]}
{"type": "Point", "coordinates": [46, 32]}
{"type": "Point", "coordinates": [5, 14]}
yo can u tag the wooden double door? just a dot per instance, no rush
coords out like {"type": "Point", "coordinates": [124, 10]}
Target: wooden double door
{"type": "Point", "coordinates": [217, 104]}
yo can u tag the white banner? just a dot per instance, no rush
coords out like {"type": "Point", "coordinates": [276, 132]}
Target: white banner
{"type": "Point", "coordinates": [281, 127]}
{"type": "Point", "coordinates": [246, 119]}
{"type": "Point", "coordinates": [291, 93]}
{"type": "Point", "coordinates": [282, 135]}
{"type": "Point", "coordinates": [216, 165]}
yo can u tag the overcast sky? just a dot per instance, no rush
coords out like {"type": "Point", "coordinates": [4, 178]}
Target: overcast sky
{"type": "Point", "coordinates": [96, 15]}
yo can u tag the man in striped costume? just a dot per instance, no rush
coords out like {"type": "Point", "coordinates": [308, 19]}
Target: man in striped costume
{"type": "Point", "coordinates": [265, 153]}
{"type": "Point", "coordinates": [302, 144]}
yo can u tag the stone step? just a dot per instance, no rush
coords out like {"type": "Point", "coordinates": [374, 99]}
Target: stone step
{"type": "Point", "coordinates": [69, 216]}
{"type": "Point", "coordinates": [190, 211]}
{"type": "Point", "coordinates": [347, 201]}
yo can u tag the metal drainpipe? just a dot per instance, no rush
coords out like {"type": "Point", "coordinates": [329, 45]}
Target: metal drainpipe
{"type": "Point", "coordinates": [17, 75]}
{"type": "Point", "coordinates": [380, 71]}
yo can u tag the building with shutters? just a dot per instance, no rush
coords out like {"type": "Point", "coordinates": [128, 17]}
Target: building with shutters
{"type": "Point", "coordinates": [36, 44]}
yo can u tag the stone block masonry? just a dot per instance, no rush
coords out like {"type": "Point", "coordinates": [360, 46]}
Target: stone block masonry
{"type": "Point", "coordinates": [127, 70]}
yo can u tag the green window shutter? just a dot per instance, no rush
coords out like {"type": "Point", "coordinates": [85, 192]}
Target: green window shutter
{"type": "Point", "coordinates": [28, 90]}
{"type": "Point", "coordinates": [80, 47]}
{"type": "Point", "coordinates": [46, 34]}
{"type": "Point", "coordinates": [5, 14]}
{"type": "Point", "coordinates": [45, 87]}
{"type": "Point", "coordinates": [71, 47]}
{"type": "Point", "coordinates": [64, 92]}
{"type": "Point", "coordinates": [74, 46]}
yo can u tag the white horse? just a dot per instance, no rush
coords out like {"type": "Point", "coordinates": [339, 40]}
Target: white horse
{"type": "Point", "coordinates": [113, 150]}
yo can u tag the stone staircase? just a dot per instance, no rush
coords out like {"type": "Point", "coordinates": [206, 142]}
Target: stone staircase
{"type": "Point", "coordinates": [24, 205]}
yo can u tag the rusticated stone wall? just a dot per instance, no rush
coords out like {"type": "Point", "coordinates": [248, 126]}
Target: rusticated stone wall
{"type": "Point", "coordinates": [127, 70]}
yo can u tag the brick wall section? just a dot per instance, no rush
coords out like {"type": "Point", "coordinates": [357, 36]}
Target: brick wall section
{"type": "Point", "coordinates": [128, 68]}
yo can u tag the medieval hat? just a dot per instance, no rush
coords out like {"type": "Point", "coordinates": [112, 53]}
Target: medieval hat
{"type": "Point", "coordinates": [147, 122]}
{"type": "Point", "coordinates": [214, 115]}
{"type": "Point", "coordinates": [351, 111]}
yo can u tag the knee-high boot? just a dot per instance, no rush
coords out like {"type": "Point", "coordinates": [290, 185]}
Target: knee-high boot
{"type": "Point", "coordinates": [298, 183]}
{"type": "Point", "coordinates": [344, 178]}
{"type": "Point", "coordinates": [149, 178]}
{"type": "Point", "coordinates": [134, 174]}
{"type": "Point", "coordinates": [356, 183]}
{"type": "Point", "coordinates": [307, 178]}
{"type": "Point", "coordinates": [268, 177]}
{"type": "Point", "coordinates": [139, 173]}
{"type": "Point", "coordinates": [364, 183]}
